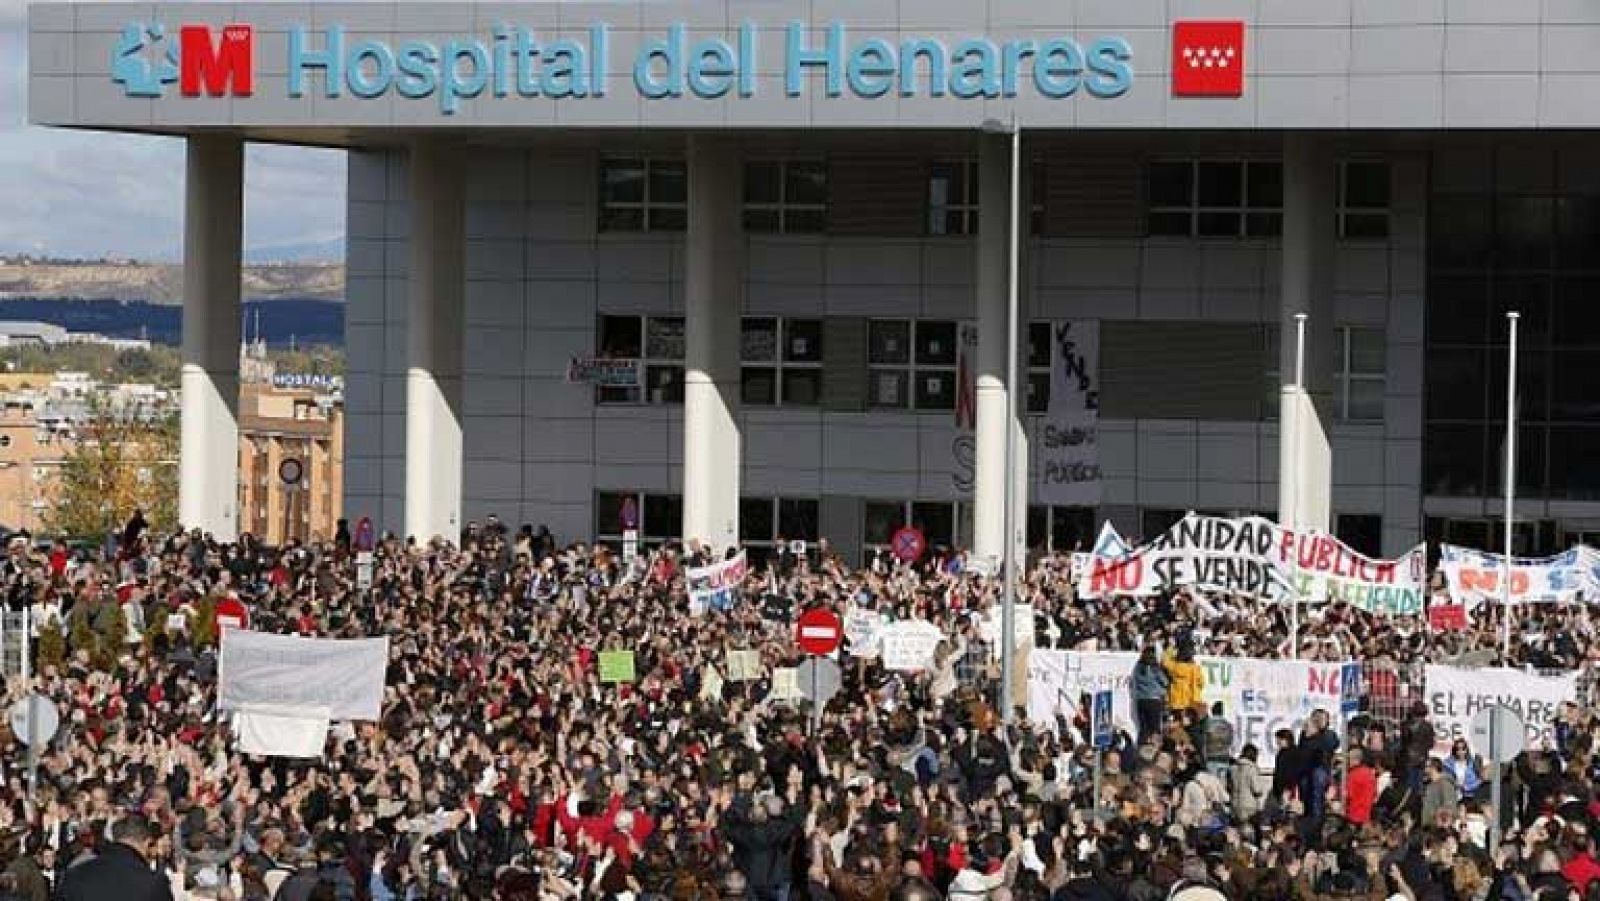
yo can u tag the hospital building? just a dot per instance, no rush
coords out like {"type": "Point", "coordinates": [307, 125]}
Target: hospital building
{"type": "Point", "coordinates": [743, 270]}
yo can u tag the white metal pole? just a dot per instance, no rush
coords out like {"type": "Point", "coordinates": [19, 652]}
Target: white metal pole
{"type": "Point", "coordinates": [33, 709]}
{"type": "Point", "coordinates": [1008, 609]}
{"type": "Point", "coordinates": [1291, 479]}
{"type": "Point", "coordinates": [1510, 485]}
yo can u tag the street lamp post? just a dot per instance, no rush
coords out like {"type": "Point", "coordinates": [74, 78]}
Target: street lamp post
{"type": "Point", "coordinates": [1008, 603]}
{"type": "Point", "coordinates": [1510, 483]}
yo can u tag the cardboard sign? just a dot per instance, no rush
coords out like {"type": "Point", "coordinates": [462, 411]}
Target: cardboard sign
{"type": "Point", "coordinates": [1448, 617]}
{"type": "Point", "coordinates": [744, 666]}
{"type": "Point", "coordinates": [616, 666]}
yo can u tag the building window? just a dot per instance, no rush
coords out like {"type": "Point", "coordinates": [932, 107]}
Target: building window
{"type": "Point", "coordinates": [786, 197]}
{"type": "Point", "coordinates": [1061, 529]}
{"type": "Point", "coordinates": [655, 341]}
{"type": "Point", "coordinates": [782, 362]}
{"type": "Point", "coordinates": [1363, 199]}
{"type": "Point", "coordinates": [764, 522]}
{"type": "Point", "coordinates": [660, 517]}
{"type": "Point", "coordinates": [1363, 533]}
{"type": "Point", "coordinates": [1040, 354]}
{"type": "Point", "coordinates": [912, 364]}
{"type": "Point", "coordinates": [643, 195]}
{"type": "Point", "coordinates": [1362, 374]}
{"type": "Point", "coordinates": [1214, 198]}
{"type": "Point", "coordinates": [953, 197]}
{"type": "Point", "coordinates": [936, 519]}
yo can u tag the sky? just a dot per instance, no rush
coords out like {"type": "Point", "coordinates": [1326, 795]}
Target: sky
{"type": "Point", "coordinates": [89, 194]}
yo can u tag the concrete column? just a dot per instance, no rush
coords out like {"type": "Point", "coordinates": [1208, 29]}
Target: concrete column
{"type": "Point", "coordinates": [1309, 235]}
{"type": "Point", "coordinates": [993, 266]}
{"type": "Point", "coordinates": [713, 301]}
{"type": "Point", "coordinates": [434, 339]}
{"type": "Point", "coordinates": [213, 228]}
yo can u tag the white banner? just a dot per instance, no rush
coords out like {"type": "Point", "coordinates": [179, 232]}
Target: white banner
{"type": "Point", "coordinates": [1257, 557]}
{"type": "Point", "coordinates": [1456, 694]}
{"type": "Point", "coordinates": [713, 587]}
{"type": "Point", "coordinates": [271, 731]}
{"type": "Point", "coordinates": [1258, 696]}
{"type": "Point", "coordinates": [302, 674]}
{"type": "Point", "coordinates": [862, 629]}
{"type": "Point", "coordinates": [908, 645]}
{"type": "Point", "coordinates": [1474, 576]}
{"type": "Point", "coordinates": [1067, 470]}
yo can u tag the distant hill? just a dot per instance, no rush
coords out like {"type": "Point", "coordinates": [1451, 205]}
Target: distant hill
{"type": "Point", "coordinates": [162, 283]}
{"type": "Point", "coordinates": [304, 320]}
{"type": "Point", "coordinates": [330, 251]}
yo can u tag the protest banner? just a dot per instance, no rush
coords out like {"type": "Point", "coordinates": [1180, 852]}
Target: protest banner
{"type": "Point", "coordinates": [1457, 693]}
{"type": "Point", "coordinates": [714, 587]}
{"type": "Point", "coordinates": [908, 645]}
{"type": "Point", "coordinates": [267, 730]}
{"type": "Point", "coordinates": [616, 666]}
{"type": "Point", "coordinates": [1258, 697]}
{"type": "Point", "coordinates": [1256, 557]}
{"type": "Point", "coordinates": [1208, 552]}
{"type": "Point", "coordinates": [304, 674]}
{"type": "Point", "coordinates": [1324, 569]}
{"type": "Point", "coordinates": [861, 632]}
{"type": "Point", "coordinates": [1474, 576]}
{"type": "Point", "coordinates": [744, 666]}
{"type": "Point", "coordinates": [1068, 462]}
{"type": "Point", "coordinates": [604, 373]}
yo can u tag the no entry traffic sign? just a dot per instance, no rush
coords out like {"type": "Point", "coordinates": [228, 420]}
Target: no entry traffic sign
{"type": "Point", "coordinates": [819, 631]}
{"type": "Point", "coordinates": [908, 544]}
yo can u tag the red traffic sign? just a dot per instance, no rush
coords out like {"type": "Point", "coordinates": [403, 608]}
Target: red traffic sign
{"type": "Point", "coordinates": [819, 631]}
{"type": "Point", "coordinates": [232, 614]}
{"type": "Point", "coordinates": [908, 544]}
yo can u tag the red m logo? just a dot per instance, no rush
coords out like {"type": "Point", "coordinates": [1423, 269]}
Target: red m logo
{"type": "Point", "coordinates": [224, 68]}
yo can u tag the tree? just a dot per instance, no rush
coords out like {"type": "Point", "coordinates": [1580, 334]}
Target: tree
{"type": "Point", "coordinates": [120, 460]}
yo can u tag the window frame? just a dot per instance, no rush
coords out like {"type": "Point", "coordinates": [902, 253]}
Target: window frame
{"type": "Point", "coordinates": [1346, 375]}
{"type": "Point", "coordinates": [1195, 209]}
{"type": "Point", "coordinates": [781, 365]}
{"type": "Point", "coordinates": [1348, 210]}
{"type": "Point", "coordinates": [960, 515]}
{"type": "Point", "coordinates": [784, 205]}
{"type": "Point", "coordinates": [649, 538]}
{"type": "Point", "coordinates": [969, 208]}
{"type": "Point", "coordinates": [967, 205]}
{"type": "Point", "coordinates": [649, 208]}
{"type": "Point", "coordinates": [912, 369]}
{"type": "Point", "coordinates": [640, 396]}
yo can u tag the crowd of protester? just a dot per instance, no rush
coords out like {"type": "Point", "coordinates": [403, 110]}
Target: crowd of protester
{"type": "Point", "coordinates": [503, 767]}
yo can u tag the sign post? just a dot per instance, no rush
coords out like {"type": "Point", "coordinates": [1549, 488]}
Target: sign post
{"type": "Point", "coordinates": [1100, 732]}
{"type": "Point", "coordinates": [1499, 734]}
{"type": "Point", "coordinates": [819, 633]}
{"type": "Point", "coordinates": [1349, 702]}
{"type": "Point", "coordinates": [291, 471]}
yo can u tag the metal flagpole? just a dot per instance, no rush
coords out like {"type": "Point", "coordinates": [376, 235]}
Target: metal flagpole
{"type": "Point", "coordinates": [1008, 609]}
{"type": "Point", "coordinates": [1290, 478]}
{"type": "Point", "coordinates": [1510, 483]}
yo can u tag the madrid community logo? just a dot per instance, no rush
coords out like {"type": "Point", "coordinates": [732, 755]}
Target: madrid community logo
{"type": "Point", "coordinates": [144, 61]}
{"type": "Point", "coordinates": [146, 58]}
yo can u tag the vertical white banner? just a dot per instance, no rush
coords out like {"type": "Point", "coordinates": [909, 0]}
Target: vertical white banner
{"type": "Point", "coordinates": [1067, 472]}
